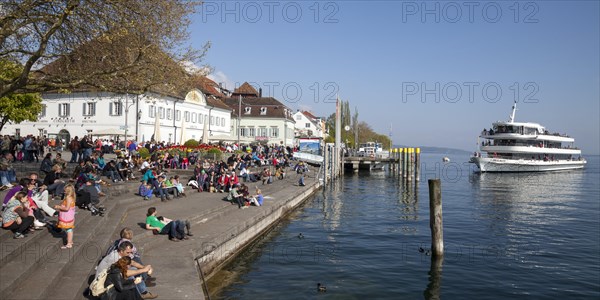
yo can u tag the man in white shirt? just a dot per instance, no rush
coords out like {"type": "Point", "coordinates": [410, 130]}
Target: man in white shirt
{"type": "Point", "coordinates": [126, 249]}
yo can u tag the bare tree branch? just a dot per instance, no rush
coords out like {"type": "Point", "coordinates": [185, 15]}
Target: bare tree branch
{"type": "Point", "coordinates": [109, 44]}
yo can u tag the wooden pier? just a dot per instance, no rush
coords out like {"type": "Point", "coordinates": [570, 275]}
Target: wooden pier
{"type": "Point", "coordinates": [403, 161]}
{"type": "Point", "coordinates": [356, 163]}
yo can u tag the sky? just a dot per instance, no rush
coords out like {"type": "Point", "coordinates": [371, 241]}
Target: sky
{"type": "Point", "coordinates": [431, 73]}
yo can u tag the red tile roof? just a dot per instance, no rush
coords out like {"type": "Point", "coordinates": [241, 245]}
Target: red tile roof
{"type": "Point", "coordinates": [208, 87]}
{"type": "Point", "coordinates": [245, 90]}
{"type": "Point", "coordinates": [309, 115]}
{"type": "Point", "coordinates": [274, 108]}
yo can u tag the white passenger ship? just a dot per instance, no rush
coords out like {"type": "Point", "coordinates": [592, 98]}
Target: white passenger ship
{"type": "Point", "coordinates": [525, 147]}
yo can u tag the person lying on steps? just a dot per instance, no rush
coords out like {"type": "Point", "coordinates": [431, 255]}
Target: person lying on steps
{"type": "Point", "coordinates": [162, 225]}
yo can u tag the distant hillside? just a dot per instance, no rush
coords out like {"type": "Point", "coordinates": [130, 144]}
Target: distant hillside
{"type": "Point", "coordinates": [439, 150]}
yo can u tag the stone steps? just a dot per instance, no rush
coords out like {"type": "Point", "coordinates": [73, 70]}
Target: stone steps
{"type": "Point", "coordinates": [39, 259]}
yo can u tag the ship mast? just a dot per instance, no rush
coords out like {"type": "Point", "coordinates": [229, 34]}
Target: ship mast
{"type": "Point", "coordinates": [512, 115]}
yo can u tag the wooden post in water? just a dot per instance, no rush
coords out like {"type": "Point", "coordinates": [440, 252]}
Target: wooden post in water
{"type": "Point", "coordinates": [411, 161]}
{"type": "Point", "coordinates": [325, 161]}
{"type": "Point", "coordinates": [404, 164]}
{"type": "Point", "coordinates": [399, 162]}
{"type": "Point", "coordinates": [435, 217]}
{"type": "Point", "coordinates": [418, 164]}
{"type": "Point", "coordinates": [393, 162]}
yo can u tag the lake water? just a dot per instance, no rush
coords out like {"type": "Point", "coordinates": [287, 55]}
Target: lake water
{"type": "Point", "coordinates": [519, 236]}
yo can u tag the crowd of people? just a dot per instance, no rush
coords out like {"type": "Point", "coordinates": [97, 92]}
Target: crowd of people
{"type": "Point", "coordinates": [27, 208]}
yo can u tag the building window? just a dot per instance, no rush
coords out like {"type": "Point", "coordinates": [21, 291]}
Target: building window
{"type": "Point", "coordinates": [274, 132]}
{"type": "Point", "coordinates": [116, 108]}
{"type": "Point", "coordinates": [247, 110]}
{"type": "Point", "coordinates": [194, 117]}
{"type": "Point", "coordinates": [243, 131]}
{"type": "Point", "coordinates": [64, 109]}
{"type": "Point", "coordinates": [251, 131]}
{"type": "Point", "coordinates": [89, 109]}
{"type": "Point", "coordinates": [262, 131]}
{"type": "Point", "coordinates": [152, 111]}
{"type": "Point", "coordinates": [200, 118]}
{"type": "Point", "coordinates": [161, 112]}
{"type": "Point", "coordinates": [307, 125]}
{"type": "Point", "coordinates": [169, 117]}
{"type": "Point", "coordinates": [263, 110]}
{"type": "Point", "coordinates": [223, 122]}
{"type": "Point", "coordinates": [212, 120]}
{"type": "Point", "coordinates": [186, 116]}
{"type": "Point", "coordinates": [43, 112]}
{"type": "Point", "coordinates": [298, 117]}
{"type": "Point", "coordinates": [178, 114]}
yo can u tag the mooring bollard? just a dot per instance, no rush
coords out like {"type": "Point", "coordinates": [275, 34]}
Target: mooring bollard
{"type": "Point", "coordinates": [435, 217]}
{"type": "Point", "coordinates": [417, 164]}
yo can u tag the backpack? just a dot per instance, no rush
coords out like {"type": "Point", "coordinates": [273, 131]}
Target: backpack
{"type": "Point", "coordinates": [97, 286]}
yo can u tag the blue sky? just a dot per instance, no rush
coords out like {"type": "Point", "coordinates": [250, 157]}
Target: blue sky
{"type": "Point", "coordinates": [437, 72]}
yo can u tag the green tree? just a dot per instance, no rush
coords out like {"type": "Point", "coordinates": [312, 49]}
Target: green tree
{"type": "Point", "coordinates": [124, 41]}
{"type": "Point", "coordinates": [17, 108]}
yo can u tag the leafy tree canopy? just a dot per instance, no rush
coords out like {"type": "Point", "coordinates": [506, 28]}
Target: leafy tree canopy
{"type": "Point", "coordinates": [17, 108]}
{"type": "Point", "coordinates": [121, 44]}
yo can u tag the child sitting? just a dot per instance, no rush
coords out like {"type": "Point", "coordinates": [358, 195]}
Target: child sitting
{"type": "Point", "coordinates": [146, 190]}
{"type": "Point", "coordinates": [184, 163]}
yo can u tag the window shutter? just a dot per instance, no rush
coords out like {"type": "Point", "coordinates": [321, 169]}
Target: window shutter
{"type": "Point", "coordinates": [68, 110]}
{"type": "Point", "coordinates": [110, 109]}
{"type": "Point", "coordinates": [85, 112]}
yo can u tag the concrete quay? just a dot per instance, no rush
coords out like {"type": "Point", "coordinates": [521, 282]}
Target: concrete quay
{"type": "Point", "coordinates": [36, 267]}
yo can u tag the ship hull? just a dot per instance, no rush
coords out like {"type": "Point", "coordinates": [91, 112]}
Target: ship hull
{"type": "Point", "coordinates": [486, 164]}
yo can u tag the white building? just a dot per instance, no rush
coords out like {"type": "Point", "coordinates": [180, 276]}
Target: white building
{"type": "Point", "coordinates": [307, 125]}
{"type": "Point", "coordinates": [262, 119]}
{"type": "Point", "coordinates": [114, 115]}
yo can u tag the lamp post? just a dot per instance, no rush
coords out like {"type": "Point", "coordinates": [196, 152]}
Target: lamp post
{"type": "Point", "coordinates": [174, 125]}
{"type": "Point", "coordinates": [127, 106]}
{"type": "Point", "coordinates": [239, 119]}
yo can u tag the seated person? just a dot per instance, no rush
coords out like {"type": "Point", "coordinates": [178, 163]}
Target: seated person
{"type": "Point", "coordinates": [15, 216]}
{"type": "Point", "coordinates": [280, 172]}
{"type": "Point", "coordinates": [126, 234]}
{"type": "Point", "coordinates": [266, 176]}
{"type": "Point", "coordinates": [46, 166]}
{"type": "Point", "coordinates": [233, 180]}
{"type": "Point", "coordinates": [162, 190]}
{"type": "Point", "coordinates": [59, 161]}
{"type": "Point", "coordinates": [111, 171]}
{"type": "Point", "coordinates": [221, 180]}
{"type": "Point", "coordinates": [258, 198]}
{"type": "Point", "coordinates": [212, 181]}
{"type": "Point", "coordinates": [235, 197]}
{"type": "Point", "coordinates": [125, 169]}
{"type": "Point", "coordinates": [89, 198]}
{"type": "Point", "coordinates": [123, 287]}
{"type": "Point", "coordinates": [124, 250]}
{"type": "Point", "coordinates": [177, 184]}
{"type": "Point", "coordinates": [171, 188]}
{"type": "Point", "coordinates": [37, 191]}
{"type": "Point", "coordinates": [96, 180]}
{"type": "Point", "coordinates": [162, 225]}
{"type": "Point", "coordinates": [54, 184]}
{"type": "Point", "coordinates": [146, 190]}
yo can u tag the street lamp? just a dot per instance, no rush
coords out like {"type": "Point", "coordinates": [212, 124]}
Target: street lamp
{"type": "Point", "coordinates": [174, 119]}
{"type": "Point", "coordinates": [239, 119]}
{"type": "Point", "coordinates": [127, 106]}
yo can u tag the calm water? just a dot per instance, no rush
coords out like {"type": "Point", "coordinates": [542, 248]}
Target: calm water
{"type": "Point", "coordinates": [526, 236]}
